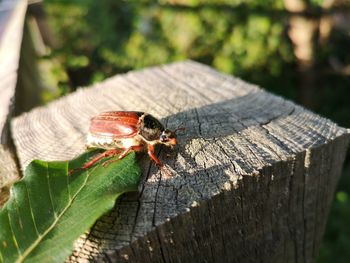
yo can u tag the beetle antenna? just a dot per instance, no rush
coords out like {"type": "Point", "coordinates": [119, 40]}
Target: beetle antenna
{"type": "Point", "coordinates": [180, 128]}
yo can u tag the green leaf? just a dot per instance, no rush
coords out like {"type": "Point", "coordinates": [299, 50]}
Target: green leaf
{"type": "Point", "coordinates": [48, 209]}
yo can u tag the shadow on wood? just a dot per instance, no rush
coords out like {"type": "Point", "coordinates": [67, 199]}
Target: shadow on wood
{"type": "Point", "coordinates": [228, 211]}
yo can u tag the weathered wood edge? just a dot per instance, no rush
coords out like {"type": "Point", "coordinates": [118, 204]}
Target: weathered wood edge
{"type": "Point", "coordinates": [10, 43]}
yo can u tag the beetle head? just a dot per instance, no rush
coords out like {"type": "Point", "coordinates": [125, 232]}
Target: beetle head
{"type": "Point", "coordinates": [168, 138]}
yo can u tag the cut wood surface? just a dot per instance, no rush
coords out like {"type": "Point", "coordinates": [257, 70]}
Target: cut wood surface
{"type": "Point", "coordinates": [253, 175]}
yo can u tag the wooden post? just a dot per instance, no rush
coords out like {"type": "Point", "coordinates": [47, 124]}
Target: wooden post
{"type": "Point", "coordinates": [253, 175]}
{"type": "Point", "coordinates": [11, 25]}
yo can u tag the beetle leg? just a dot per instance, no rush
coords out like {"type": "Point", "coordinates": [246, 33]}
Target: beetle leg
{"type": "Point", "coordinates": [100, 156]}
{"type": "Point", "coordinates": [157, 161]}
{"type": "Point", "coordinates": [150, 151]}
{"type": "Point", "coordinates": [123, 154]}
{"type": "Point", "coordinates": [95, 160]}
{"type": "Point", "coordinates": [136, 148]}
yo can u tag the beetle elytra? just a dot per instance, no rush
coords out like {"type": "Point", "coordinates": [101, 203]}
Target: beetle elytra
{"type": "Point", "coordinates": [119, 132]}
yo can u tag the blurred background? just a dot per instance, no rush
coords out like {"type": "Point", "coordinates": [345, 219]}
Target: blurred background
{"type": "Point", "coordinates": [299, 49]}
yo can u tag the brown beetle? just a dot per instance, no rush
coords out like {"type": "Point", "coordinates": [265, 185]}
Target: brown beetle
{"type": "Point", "coordinates": [119, 132]}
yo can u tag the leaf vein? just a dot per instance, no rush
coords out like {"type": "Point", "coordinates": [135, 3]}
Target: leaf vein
{"type": "Point", "coordinates": [31, 209]}
{"type": "Point", "coordinates": [13, 234]}
{"type": "Point", "coordinates": [14, 194]}
{"type": "Point", "coordinates": [50, 193]}
{"type": "Point", "coordinates": [67, 173]}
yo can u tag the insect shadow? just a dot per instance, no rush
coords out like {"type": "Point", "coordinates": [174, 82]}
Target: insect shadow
{"type": "Point", "coordinates": [206, 125]}
{"type": "Point", "coordinates": [200, 168]}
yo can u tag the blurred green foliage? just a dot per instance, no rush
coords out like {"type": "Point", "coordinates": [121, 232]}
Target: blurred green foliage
{"type": "Point", "coordinates": [97, 39]}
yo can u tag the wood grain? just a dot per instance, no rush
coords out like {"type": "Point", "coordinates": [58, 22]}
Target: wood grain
{"type": "Point", "coordinates": [253, 175]}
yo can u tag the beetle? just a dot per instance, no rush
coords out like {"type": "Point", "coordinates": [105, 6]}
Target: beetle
{"type": "Point", "coordinates": [119, 132]}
